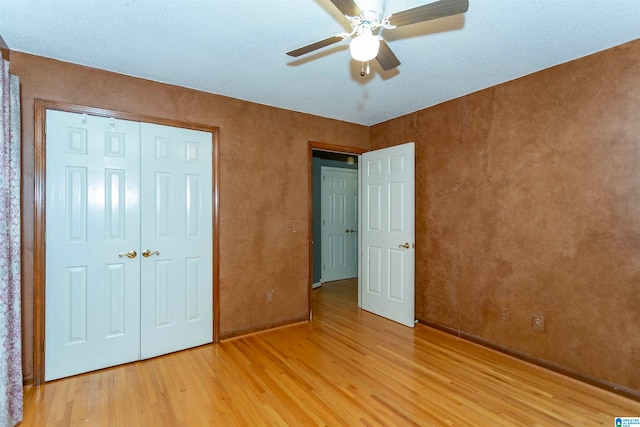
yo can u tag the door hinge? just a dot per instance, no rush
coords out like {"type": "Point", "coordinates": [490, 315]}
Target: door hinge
{"type": "Point", "coordinates": [44, 346]}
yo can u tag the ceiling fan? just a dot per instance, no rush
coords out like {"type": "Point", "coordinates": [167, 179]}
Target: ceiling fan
{"type": "Point", "coordinates": [366, 46]}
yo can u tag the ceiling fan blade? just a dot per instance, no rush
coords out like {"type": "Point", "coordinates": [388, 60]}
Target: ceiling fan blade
{"type": "Point", "coordinates": [386, 57]}
{"type": "Point", "coordinates": [315, 46]}
{"type": "Point", "coordinates": [427, 12]}
{"type": "Point", "coordinates": [347, 7]}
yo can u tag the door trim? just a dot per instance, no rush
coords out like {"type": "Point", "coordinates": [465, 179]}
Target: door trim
{"type": "Point", "coordinates": [39, 258]}
{"type": "Point", "coordinates": [318, 146]}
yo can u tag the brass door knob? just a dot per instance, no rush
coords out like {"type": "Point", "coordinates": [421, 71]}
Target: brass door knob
{"type": "Point", "coordinates": [130, 254]}
{"type": "Point", "coordinates": [147, 253]}
{"type": "Point", "coordinates": [406, 246]}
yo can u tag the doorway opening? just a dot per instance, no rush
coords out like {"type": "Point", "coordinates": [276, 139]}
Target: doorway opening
{"type": "Point", "coordinates": [386, 275]}
{"type": "Point", "coordinates": [332, 158]}
{"type": "Point", "coordinates": [335, 222]}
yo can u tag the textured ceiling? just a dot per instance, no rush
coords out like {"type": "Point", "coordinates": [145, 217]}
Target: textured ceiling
{"type": "Point", "coordinates": [237, 48]}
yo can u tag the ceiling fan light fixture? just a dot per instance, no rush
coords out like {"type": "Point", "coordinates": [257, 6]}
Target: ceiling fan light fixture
{"type": "Point", "coordinates": [365, 46]}
{"type": "Point", "coordinates": [367, 16]}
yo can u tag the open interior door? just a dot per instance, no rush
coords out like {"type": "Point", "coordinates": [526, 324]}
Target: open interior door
{"type": "Point", "coordinates": [387, 264]}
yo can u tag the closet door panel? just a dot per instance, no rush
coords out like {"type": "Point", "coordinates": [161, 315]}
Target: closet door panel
{"type": "Point", "coordinates": [92, 291]}
{"type": "Point", "coordinates": [176, 230]}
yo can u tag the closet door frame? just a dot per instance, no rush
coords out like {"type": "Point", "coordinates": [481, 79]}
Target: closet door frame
{"type": "Point", "coordinates": [39, 258]}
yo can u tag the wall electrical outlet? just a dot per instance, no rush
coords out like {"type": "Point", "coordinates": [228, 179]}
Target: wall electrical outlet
{"type": "Point", "coordinates": [537, 322]}
{"type": "Point", "coordinates": [268, 296]}
{"type": "Point", "coordinates": [291, 226]}
{"type": "Point", "coordinates": [504, 313]}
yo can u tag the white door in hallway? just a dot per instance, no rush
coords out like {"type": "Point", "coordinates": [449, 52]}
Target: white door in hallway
{"type": "Point", "coordinates": [388, 233]}
{"type": "Point", "coordinates": [128, 242]}
{"type": "Point", "coordinates": [339, 221]}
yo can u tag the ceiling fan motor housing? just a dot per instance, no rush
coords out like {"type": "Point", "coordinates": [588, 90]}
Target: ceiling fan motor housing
{"type": "Point", "coordinates": [371, 17]}
{"type": "Point", "coordinates": [376, 6]}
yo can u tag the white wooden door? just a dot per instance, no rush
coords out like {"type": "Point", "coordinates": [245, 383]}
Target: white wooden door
{"type": "Point", "coordinates": [93, 219]}
{"type": "Point", "coordinates": [388, 232]}
{"type": "Point", "coordinates": [177, 278]}
{"type": "Point", "coordinates": [339, 219]}
{"type": "Point", "coordinates": [128, 242]}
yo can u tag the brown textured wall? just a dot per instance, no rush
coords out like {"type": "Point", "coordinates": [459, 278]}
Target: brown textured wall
{"type": "Point", "coordinates": [263, 182]}
{"type": "Point", "coordinates": [528, 196]}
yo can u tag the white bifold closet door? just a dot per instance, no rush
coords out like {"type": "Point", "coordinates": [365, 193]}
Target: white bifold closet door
{"type": "Point", "coordinates": [128, 241]}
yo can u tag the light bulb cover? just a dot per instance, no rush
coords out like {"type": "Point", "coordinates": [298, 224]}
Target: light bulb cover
{"type": "Point", "coordinates": [364, 47]}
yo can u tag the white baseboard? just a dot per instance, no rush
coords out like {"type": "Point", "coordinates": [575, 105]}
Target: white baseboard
{"type": "Point", "coordinates": [316, 285]}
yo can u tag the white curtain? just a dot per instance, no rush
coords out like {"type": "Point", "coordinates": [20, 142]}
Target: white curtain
{"type": "Point", "coordinates": [10, 327]}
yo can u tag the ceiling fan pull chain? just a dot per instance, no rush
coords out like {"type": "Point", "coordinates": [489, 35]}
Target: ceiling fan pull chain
{"type": "Point", "coordinates": [362, 70]}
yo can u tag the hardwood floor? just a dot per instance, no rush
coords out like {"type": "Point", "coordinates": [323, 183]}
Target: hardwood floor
{"type": "Point", "coordinates": [346, 367]}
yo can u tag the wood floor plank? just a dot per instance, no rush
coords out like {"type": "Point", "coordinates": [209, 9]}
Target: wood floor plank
{"type": "Point", "coordinates": [346, 367]}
